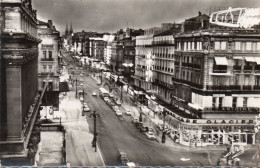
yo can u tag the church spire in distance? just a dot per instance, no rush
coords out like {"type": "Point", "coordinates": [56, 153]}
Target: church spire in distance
{"type": "Point", "coordinates": [71, 29]}
{"type": "Point", "coordinates": [66, 30]}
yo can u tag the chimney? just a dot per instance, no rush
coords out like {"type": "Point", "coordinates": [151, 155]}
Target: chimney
{"type": "Point", "coordinates": [199, 13]}
{"type": "Point", "coordinates": [50, 24]}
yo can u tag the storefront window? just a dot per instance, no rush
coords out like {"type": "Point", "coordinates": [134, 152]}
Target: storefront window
{"type": "Point", "coordinates": [236, 138]}
{"type": "Point", "coordinates": [243, 138]}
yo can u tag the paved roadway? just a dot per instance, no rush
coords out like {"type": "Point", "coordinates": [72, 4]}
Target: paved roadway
{"type": "Point", "coordinates": [114, 134]}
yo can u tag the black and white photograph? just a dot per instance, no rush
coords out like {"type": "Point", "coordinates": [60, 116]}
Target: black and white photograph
{"type": "Point", "coordinates": [130, 83]}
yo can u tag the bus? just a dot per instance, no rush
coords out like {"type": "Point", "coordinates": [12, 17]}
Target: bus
{"type": "Point", "coordinates": [103, 92]}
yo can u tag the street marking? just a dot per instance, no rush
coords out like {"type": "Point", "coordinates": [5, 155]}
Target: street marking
{"type": "Point", "coordinates": [99, 151]}
{"type": "Point", "coordinates": [185, 159]}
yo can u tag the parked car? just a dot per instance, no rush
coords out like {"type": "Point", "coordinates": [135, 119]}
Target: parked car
{"type": "Point", "coordinates": [118, 102]}
{"type": "Point", "coordinates": [128, 112]}
{"type": "Point", "coordinates": [94, 94]}
{"type": "Point", "coordinates": [150, 135]}
{"type": "Point", "coordinates": [119, 113]}
{"type": "Point", "coordinates": [135, 120]}
{"type": "Point", "coordinates": [143, 129]}
{"type": "Point", "coordinates": [99, 83]}
{"type": "Point", "coordinates": [122, 157]}
{"type": "Point", "coordinates": [115, 108]}
{"type": "Point", "coordinates": [130, 164]}
{"type": "Point", "coordinates": [86, 108]}
{"type": "Point", "coordinates": [160, 127]}
{"type": "Point", "coordinates": [111, 95]}
{"type": "Point", "coordinates": [106, 99]}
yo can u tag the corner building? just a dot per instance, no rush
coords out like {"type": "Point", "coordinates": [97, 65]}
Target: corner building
{"type": "Point", "coordinates": [217, 80]}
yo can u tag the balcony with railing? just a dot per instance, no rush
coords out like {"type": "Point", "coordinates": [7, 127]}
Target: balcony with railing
{"type": "Point", "coordinates": [192, 84]}
{"type": "Point", "coordinates": [236, 68]}
{"type": "Point", "coordinates": [233, 87]}
{"type": "Point", "coordinates": [47, 45]}
{"type": "Point", "coordinates": [163, 43]}
{"type": "Point", "coordinates": [46, 73]}
{"type": "Point", "coordinates": [47, 59]}
{"type": "Point", "coordinates": [219, 69]}
{"type": "Point", "coordinates": [248, 68]}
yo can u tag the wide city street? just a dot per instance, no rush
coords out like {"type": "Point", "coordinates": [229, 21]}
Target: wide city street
{"type": "Point", "coordinates": [116, 135]}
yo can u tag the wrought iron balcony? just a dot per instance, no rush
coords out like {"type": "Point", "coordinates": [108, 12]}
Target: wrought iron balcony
{"type": "Point", "coordinates": [199, 86]}
{"type": "Point", "coordinates": [234, 87]}
{"type": "Point", "coordinates": [46, 73]}
{"type": "Point", "coordinates": [47, 45]}
{"type": "Point", "coordinates": [47, 59]}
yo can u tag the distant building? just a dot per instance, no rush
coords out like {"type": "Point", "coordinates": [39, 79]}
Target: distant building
{"type": "Point", "coordinates": [97, 47]}
{"type": "Point", "coordinates": [163, 63]}
{"type": "Point", "coordinates": [143, 60]}
{"type": "Point", "coordinates": [20, 100]}
{"type": "Point", "coordinates": [199, 22]}
{"type": "Point", "coordinates": [48, 65]}
{"type": "Point", "coordinates": [108, 50]}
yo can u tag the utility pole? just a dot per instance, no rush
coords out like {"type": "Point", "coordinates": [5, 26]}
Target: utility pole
{"type": "Point", "coordinates": [121, 96]}
{"type": "Point", "coordinates": [101, 77]}
{"type": "Point", "coordinates": [163, 134]}
{"type": "Point", "coordinates": [76, 87]}
{"type": "Point", "coordinates": [94, 142]}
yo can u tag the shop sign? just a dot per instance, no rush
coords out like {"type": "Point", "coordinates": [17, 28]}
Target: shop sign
{"type": "Point", "coordinates": [230, 121]}
{"type": "Point", "coordinates": [228, 127]}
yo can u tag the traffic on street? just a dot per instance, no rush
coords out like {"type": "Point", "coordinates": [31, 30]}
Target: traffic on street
{"type": "Point", "coordinates": [117, 128]}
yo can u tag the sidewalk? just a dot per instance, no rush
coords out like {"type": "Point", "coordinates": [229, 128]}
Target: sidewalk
{"type": "Point", "coordinates": [79, 151]}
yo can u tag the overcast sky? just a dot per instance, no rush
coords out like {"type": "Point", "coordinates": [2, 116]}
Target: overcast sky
{"type": "Point", "coordinates": [111, 15]}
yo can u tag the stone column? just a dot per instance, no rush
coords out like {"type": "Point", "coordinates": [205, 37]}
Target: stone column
{"type": "Point", "coordinates": [14, 102]}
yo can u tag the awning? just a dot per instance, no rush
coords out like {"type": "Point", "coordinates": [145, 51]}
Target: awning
{"type": "Point", "coordinates": [257, 60]}
{"type": "Point", "coordinates": [64, 87]}
{"type": "Point", "coordinates": [250, 59]}
{"type": "Point", "coordinates": [221, 60]}
{"type": "Point", "coordinates": [238, 57]}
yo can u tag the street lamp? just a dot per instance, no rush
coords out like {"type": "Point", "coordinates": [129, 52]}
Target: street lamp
{"type": "Point", "coordinates": [101, 76]}
{"type": "Point", "coordinates": [165, 112]}
{"type": "Point", "coordinates": [76, 87]}
{"type": "Point", "coordinates": [94, 141]}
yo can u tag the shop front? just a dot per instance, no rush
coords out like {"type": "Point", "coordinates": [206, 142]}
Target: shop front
{"type": "Point", "coordinates": [216, 134]}
{"type": "Point", "coordinates": [203, 132]}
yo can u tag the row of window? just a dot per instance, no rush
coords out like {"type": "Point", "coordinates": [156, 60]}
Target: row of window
{"type": "Point", "coordinates": [161, 68]}
{"type": "Point", "coordinates": [220, 45]}
{"type": "Point", "coordinates": [44, 67]}
{"type": "Point", "coordinates": [162, 55]}
{"type": "Point", "coordinates": [237, 80]}
{"type": "Point", "coordinates": [234, 102]}
{"type": "Point", "coordinates": [47, 57]}
{"type": "Point", "coordinates": [189, 76]}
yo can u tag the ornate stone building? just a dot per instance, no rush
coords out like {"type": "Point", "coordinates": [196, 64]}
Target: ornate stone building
{"type": "Point", "coordinates": [20, 100]}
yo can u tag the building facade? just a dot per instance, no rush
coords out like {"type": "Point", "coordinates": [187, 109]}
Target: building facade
{"type": "Point", "coordinates": [48, 64]}
{"type": "Point", "coordinates": [20, 99]}
{"type": "Point", "coordinates": [117, 55]}
{"type": "Point", "coordinates": [97, 47]}
{"type": "Point", "coordinates": [143, 60]}
{"type": "Point", "coordinates": [216, 79]}
{"type": "Point", "coordinates": [163, 63]}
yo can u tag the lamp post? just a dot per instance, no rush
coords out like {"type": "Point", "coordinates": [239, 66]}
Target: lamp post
{"type": "Point", "coordinates": [76, 87]}
{"type": "Point", "coordinates": [94, 141]}
{"type": "Point", "coordinates": [101, 76]}
{"type": "Point", "coordinates": [165, 112]}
